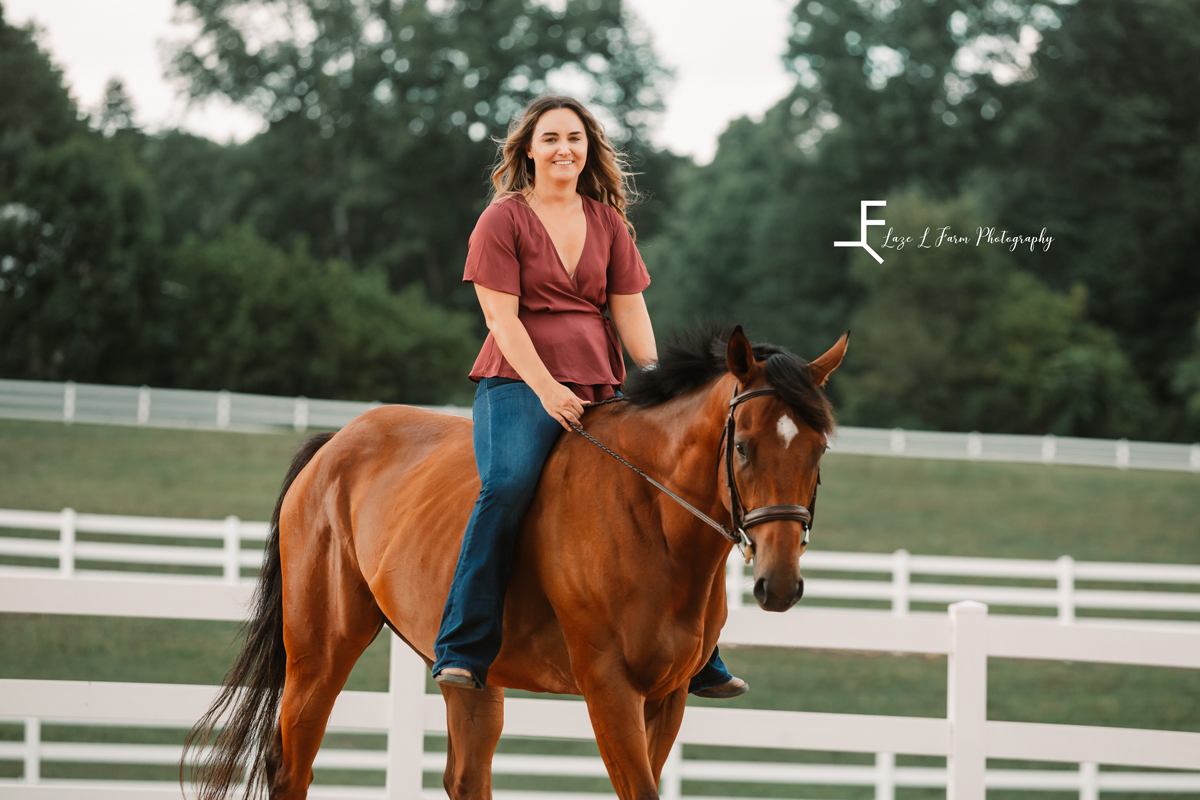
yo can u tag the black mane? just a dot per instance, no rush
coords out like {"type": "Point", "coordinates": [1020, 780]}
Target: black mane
{"type": "Point", "coordinates": [697, 357]}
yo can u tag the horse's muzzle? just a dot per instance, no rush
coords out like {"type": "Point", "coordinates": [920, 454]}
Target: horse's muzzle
{"type": "Point", "coordinates": [778, 595]}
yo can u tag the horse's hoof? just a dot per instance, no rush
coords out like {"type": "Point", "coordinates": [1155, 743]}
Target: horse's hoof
{"type": "Point", "coordinates": [458, 678]}
{"type": "Point", "coordinates": [733, 687]}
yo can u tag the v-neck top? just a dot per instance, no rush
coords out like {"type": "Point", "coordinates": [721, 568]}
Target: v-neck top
{"type": "Point", "coordinates": [510, 251]}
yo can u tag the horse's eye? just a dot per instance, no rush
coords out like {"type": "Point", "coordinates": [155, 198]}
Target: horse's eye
{"type": "Point", "coordinates": [741, 449]}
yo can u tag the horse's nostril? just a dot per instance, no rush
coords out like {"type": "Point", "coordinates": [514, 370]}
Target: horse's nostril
{"type": "Point", "coordinates": [760, 590]}
{"type": "Point", "coordinates": [800, 590]}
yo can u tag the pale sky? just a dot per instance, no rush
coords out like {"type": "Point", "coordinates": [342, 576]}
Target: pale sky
{"type": "Point", "coordinates": [725, 53]}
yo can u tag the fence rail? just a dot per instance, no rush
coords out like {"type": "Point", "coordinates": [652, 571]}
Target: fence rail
{"type": "Point", "coordinates": [406, 714]}
{"type": "Point", "coordinates": [181, 408]}
{"type": "Point", "coordinates": [231, 550]}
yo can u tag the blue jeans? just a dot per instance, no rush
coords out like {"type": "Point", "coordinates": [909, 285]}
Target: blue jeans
{"type": "Point", "coordinates": [513, 436]}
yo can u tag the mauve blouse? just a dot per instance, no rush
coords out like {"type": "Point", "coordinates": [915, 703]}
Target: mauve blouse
{"type": "Point", "coordinates": [510, 251]}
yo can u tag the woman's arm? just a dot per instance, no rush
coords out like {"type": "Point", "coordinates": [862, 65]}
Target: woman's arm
{"type": "Point", "coordinates": [500, 312]}
{"type": "Point", "coordinates": [632, 319]}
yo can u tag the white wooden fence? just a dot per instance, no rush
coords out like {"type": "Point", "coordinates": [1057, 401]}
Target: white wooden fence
{"type": "Point", "coordinates": [175, 408]}
{"type": "Point", "coordinates": [180, 408]}
{"type": "Point", "coordinates": [219, 546]}
{"type": "Point", "coordinates": [406, 713]}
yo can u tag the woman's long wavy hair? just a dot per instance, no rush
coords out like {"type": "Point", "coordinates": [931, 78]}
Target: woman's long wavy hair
{"type": "Point", "coordinates": [604, 178]}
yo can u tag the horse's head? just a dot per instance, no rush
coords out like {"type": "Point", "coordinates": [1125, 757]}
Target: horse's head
{"type": "Point", "coordinates": [777, 442]}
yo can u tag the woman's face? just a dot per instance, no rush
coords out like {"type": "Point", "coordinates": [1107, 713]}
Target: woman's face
{"type": "Point", "coordinates": [559, 146]}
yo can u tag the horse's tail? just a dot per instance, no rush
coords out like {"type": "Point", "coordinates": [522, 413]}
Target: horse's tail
{"type": "Point", "coordinates": [248, 704]}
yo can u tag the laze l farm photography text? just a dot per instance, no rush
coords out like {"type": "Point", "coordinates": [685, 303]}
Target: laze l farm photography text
{"type": "Point", "coordinates": [936, 237]}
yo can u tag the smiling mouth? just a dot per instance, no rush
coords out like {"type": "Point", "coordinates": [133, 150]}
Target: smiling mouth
{"type": "Point", "coordinates": [563, 163]}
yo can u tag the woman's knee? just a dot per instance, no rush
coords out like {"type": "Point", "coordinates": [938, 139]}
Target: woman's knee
{"type": "Point", "coordinates": [508, 488]}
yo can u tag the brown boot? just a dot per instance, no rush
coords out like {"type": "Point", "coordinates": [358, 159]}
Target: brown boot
{"type": "Point", "coordinates": [733, 687]}
{"type": "Point", "coordinates": [457, 677]}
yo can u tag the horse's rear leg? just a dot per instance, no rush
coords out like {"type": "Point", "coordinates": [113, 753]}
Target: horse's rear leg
{"type": "Point", "coordinates": [328, 623]}
{"type": "Point", "coordinates": [475, 720]}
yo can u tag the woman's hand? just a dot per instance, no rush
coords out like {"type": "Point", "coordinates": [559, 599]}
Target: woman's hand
{"type": "Point", "coordinates": [560, 403]}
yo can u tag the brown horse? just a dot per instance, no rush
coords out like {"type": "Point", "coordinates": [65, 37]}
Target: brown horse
{"type": "Point", "coordinates": [617, 592]}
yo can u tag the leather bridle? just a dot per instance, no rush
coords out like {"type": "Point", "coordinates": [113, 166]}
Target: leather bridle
{"type": "Point", "coordinates": [740, 518]}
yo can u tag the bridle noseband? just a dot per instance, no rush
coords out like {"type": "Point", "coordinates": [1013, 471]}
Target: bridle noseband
{"type": "Point", "coordinates": [740, 518]}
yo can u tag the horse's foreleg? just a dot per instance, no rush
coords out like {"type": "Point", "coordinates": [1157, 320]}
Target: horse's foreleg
{"type": "Point", "coordinates": [617, 711]}
{"type": "Point", "coordinates": [474, 721]}
{"type": "Point", "coordinates": [663, 718]}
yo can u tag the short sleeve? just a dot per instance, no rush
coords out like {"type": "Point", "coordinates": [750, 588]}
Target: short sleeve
{"type": "Point", "coordinates": [492, 251]}
{"type": "Point", "coordinates": [626, 271]}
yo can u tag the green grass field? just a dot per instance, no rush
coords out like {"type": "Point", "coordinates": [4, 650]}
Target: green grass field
{"type": "Point", "coordinates": [867, 504]}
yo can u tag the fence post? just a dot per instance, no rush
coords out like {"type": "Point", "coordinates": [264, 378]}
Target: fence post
{"type": "Point", "coordinates": [69, 402]}
{"type": "Point", "coordinates": [224, 409]}
{"type": "Point", "coordinates": [406, 728]}
{"type": "Point", "coordinates": [734, 573]}
{"type": "Point", "coordinates": [1049, 448]}
{"type": "Point", "coordinates": [1194, 458]}
{"type": "Point", "coordinates": [143, 414]}
{"type": "Point", "coordinates": [900, 573]}
{"type": "Point", "coordinates": [966, 701]}
{"type": "Point", "coordinates": [885, 776]}
{"type": "Point", "coordinates": [898, 441]}
{"type": "Point", "coordinates": [33, 748]}
{"type": "Point", "coordinates": [671, 785]}
{"type": "Point", "coordinates": [233, 549]}
{"type": "Point", "coordinates": [1089, 781]}
{"type": "Point", "coordinates": [66, 542]}
{"type": "Point", "coordinates": [1066, 589]}
{"type": "Point", "coordinates": [1122, 454]}
{"type": "Point", "coordinates": [300, 414]}
{"type": "Point", "coordinates": [974, 445]}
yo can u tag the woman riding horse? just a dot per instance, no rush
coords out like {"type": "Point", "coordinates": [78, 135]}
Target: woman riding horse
{"type": "Point", "coordinates": [552, 249]}
{"type": "Point", "coordinates": [618, 580]}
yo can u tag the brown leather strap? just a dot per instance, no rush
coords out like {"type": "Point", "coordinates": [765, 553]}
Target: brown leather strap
{"type": "Point", "coordinates": [773, 513]}
{"type": "Point", "coordinates": [705, 518]}
{"type": "Point", "coordinates": [741, 520]}
{"type": "Point", "coordinates": [738, 399]}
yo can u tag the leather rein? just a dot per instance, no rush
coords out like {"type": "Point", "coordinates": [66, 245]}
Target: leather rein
{"type": "Point", "coordinates": [741, 518]}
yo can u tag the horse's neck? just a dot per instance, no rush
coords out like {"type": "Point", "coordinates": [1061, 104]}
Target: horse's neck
{"type": "Point", "coordinates": [680, 447]}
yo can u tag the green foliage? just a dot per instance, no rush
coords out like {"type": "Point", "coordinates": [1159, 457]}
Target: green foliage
{"type": "Point", "coordinates": [1187, 384]}
{"type": "Point", "coordinates": [956, 337]}
{"type": "Point", "coordinates": [749, 241]}
{"type": "Point", "coordinates": [1103, 147]}
{"type": "Point", "coordinates": [33, 102]}
{"type": "Point", "coordinates": [78, 272]}
{"type": "Point", "coordinates": [378, 150]}
{"type": "Point", "coordinates": [116, 110]}
{"type": "Point", "coordinates": [246, 316]}
{"type": "Point", "coordinates": [884, 95]}
{"type": "Point", "coordinates": [90, 291]}
{"type": "Point", "coordinates": [1093, 138]}
{"type": "Point", "coordinates": [196, 182]}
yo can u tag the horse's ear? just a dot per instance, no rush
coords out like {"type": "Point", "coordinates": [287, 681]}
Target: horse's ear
{"type": "Point", "coordinates": [739, 357]}
{"type": "Point", "coordinates": [819, 370]}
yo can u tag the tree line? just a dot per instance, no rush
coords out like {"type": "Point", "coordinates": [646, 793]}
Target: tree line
{"type": "Point", "coordinates": [323, 257]}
